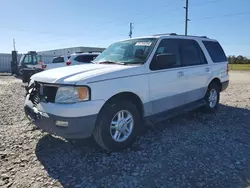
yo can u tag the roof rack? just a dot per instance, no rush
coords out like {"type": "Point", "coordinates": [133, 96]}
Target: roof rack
{"type": "Point", "coordinates": [174, 34]}
{"type": "Point", "coordinates": [164, 34]}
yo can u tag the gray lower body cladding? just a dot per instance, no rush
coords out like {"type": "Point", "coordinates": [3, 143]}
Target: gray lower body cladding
{"type": "Point", "coordinates": [171, 102]}
{"type": "Point", "coordinates": [78, 127]}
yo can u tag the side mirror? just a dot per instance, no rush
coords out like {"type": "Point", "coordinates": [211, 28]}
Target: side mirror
{"type": "Point", "coordinates": [165, 60]}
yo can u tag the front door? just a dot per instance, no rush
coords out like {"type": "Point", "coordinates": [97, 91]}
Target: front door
{"type": "Point", "coordinates": [167, 83]}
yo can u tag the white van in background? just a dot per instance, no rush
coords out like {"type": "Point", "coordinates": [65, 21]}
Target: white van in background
{"type": "Point", "coordinates": [73, 59]}
{"type": "Point", "coordinates": [81, 58]}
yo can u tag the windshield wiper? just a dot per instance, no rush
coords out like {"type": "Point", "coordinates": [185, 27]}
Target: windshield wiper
{"type": "Point", "coordinates": [111, 62]}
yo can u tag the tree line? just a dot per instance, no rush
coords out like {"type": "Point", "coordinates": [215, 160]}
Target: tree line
{"type": "Point", "coordinates": [238, 60]}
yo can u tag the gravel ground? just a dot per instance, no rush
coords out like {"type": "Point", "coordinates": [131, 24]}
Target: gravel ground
{"type": "Point", "coordinates": [192, 150]}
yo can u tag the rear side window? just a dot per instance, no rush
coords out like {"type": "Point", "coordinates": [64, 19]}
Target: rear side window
{"type": "Point", "coordinates": [85, 58]}
{"type": "Point", "coordinates": [215, 51]}
{"type": "Point", "coordinates": [191, 53]}
{"type": "Point", "coordinates": [58, 60]}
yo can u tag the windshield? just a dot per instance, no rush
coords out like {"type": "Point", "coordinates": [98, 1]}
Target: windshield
{"type": "Point", "coordinates": [134, 51]}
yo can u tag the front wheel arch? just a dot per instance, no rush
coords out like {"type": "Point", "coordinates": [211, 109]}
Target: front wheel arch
{"type": "Point", "coordinates": [127, 96]}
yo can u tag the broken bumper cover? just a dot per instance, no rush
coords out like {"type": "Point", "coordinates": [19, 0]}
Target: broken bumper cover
{"type": "Point", "coordinates": [77, 127]}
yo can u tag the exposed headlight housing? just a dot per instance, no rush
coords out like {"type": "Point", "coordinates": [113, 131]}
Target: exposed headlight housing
{"type": "Point", "coordinates": [72, 94]}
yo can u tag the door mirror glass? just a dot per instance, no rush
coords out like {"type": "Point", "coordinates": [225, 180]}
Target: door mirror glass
{"type": "Point", "coordinates": [165, 60]}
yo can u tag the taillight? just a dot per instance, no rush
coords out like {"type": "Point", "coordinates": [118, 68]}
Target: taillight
{"type": "Point", "coordinates": [68, 63]}
{"type": "Point", "coordinates": [44, 67]}
{"type": "Point", "coordinates": [227, 68]}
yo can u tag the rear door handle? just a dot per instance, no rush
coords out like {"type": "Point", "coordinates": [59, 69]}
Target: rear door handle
{"type": "Point", "coordinates": [180, 74]}
{"type": "Point", "coordinates": [207, 69]}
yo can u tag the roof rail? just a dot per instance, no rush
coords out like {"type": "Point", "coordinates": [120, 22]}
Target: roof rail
{"type": "Point", "coordinates": [194, 36]}
{"type": "Point", "coordinates": [164, 34]}
{"type": "Point", "coordinates": [174, 34]}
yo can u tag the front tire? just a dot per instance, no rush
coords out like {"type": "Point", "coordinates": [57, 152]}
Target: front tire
{"type": "Point", "coordinates": [20, 71]}
{"type": "Point", "coordinates": [212, 97]}
{"type": "Point", "coordinates": [117, 125]}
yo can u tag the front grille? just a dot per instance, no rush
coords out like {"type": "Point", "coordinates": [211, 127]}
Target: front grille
{"type": "Point", "coordinates": [41, 92]}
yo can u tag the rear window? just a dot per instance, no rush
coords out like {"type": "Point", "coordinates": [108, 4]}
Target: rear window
{"type": "Point", "coordinates": [58, 60]}
{"type": "Point", "coordinates": [85, 58]}
{"type": "Point", "coordinates": [215, 51]}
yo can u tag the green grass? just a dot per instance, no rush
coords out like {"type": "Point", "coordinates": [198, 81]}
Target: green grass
{"type": "Point", "coordinates": [239, 66]}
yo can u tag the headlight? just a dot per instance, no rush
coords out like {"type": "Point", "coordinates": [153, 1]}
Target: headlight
{"type": "Point", "coordinates": [71, 94]}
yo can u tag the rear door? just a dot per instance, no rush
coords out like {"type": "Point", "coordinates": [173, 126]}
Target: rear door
{"type": "Point", "coordinates": [196, 70]}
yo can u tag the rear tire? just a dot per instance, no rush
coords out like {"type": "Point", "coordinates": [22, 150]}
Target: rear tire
{"type": "Point", "coordinates": [212, 97]}
{"type": "Point", "coordinates": [117, 125]}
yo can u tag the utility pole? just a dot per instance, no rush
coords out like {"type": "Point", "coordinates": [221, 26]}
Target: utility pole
{"type": "Point", "coordinates": [186, 19]}
{"type": "Point", "coordinates": [130, 29]}
{"type": "Point", "coordinates": [14, 44]}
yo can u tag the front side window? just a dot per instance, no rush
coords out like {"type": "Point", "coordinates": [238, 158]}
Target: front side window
{"type": "Point", "coordinates": [133, 51]}
{"type": "Point", "coordinates": [191, 53]}
{"type": "Point", "coordinates": [167, 47]}
{"type": "Point", "coordinates": [28, 59]}
{"type": "Point", "coordinates": [35, 59]}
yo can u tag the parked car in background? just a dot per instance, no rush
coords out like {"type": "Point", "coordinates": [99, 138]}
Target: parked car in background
{"type": "Point", "coordinates": [145, 79]}
{"type": "Point", "coordinates": [59, 61]}
{"type": "Point", "coordinates": [81, 58]}
{"type": "Point", "coordinates": [73, 59]}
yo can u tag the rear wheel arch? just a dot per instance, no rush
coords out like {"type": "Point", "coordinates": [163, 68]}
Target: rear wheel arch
{"type": "Point", "coordinates": [216, 81]}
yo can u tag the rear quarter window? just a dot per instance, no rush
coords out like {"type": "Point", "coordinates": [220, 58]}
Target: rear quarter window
{"type": "Point", "coordinates": [85, 58]}
{"type": "Point", "coordinates": [58, 60]}
{"type": "Point", "coordinates": [215, 51]}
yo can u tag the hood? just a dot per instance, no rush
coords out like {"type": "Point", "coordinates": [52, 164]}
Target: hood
{"type": "Point", "coordinates": [76, 73]}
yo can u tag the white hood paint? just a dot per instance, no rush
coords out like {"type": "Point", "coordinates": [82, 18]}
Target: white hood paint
{"type": "Point", "coordinates": [82, 74]}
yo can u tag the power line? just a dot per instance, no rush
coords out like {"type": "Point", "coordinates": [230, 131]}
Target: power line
{"type": "Point", "coordinates": [223, 15]}
{"type": "Point", "coordinates": [207, 2]}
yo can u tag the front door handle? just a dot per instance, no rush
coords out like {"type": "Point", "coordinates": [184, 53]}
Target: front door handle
{"type": "Point", "coordinates": [180, 74]}
{"type": "Point", "coordinates": [207, 69]}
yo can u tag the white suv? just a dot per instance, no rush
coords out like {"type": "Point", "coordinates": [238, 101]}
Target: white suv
{"type": "Point", "coordinates": [138, 80]}
{"type": "Point", "coordinates": [59, 61]}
